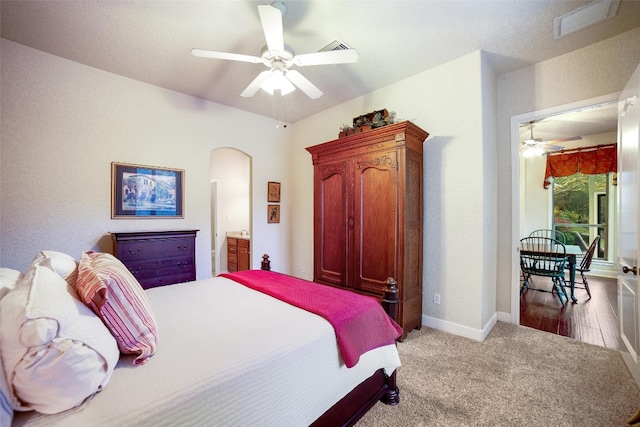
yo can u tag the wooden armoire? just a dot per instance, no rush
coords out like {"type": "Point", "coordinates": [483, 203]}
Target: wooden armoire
{"type": "Point", "coordinates": [368, 191]}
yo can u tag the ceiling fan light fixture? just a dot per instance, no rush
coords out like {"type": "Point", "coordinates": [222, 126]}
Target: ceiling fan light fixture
{"type": "Point", "coordinates": [533, 151]}
{"type": "Point", "coordinates": [277, 81]}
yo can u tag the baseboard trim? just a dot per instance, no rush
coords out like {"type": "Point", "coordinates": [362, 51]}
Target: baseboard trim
{"type": "Point", "coordinates": [505, 317]}
{"type": "Point", "coordinates": [460, 330]}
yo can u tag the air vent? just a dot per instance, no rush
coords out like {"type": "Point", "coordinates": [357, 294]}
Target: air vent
{"type": "Point", "coordinates": [335, 45]}
{"type": "Point", "coordinates": [582, 17]}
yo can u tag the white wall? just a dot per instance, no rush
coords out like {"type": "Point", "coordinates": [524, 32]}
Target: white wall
{"type": "Point", "coordinates": [596, 70]}
{"type": "Point", "coordinates": [63, 124]}
{"type": "Point", "coordinates": [448, 102]}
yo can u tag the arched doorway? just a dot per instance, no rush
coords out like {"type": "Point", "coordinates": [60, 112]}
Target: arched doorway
{"type": "Point", "coordinates": [230, 201]}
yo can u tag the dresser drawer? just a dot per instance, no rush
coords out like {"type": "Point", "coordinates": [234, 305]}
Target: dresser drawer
{"type": "Point", "coordinates": [152, 282]}
{"type": "Point", "coordinates": [232, 257]}
{"type": "Point", "coordinates": [150, 249]}
{"type": "Point", "coordinates": [161, 267]}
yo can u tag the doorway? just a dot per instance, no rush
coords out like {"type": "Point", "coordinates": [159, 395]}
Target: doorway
{"type": "Point", "coordinates": [231, 201]}
{"type": "Point", "coordinates": [532, 205]}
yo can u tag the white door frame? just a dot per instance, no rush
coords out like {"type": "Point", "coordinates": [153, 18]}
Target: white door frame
{"type": "Point", "coordinates": [216, 244]}
{"type": "Point", "coordinates": [515, 188]}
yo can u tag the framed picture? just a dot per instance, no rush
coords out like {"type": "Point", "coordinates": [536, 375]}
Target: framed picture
{"type": "Point", "coordinates": [273, 214]}
{"type": "Point", "coordinates": [139, 191]}
{"type": "Point", "coordinates": [273, 191]}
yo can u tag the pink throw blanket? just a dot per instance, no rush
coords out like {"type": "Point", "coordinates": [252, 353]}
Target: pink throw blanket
{"type": "Point", "coordinates": [359, 321]}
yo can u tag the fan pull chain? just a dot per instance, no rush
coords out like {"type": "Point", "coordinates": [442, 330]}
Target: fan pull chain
{"type": "Point", "coordinates": [278, 96]}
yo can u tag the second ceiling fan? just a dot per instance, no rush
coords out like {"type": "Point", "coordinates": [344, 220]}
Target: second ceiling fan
{"type": "Point", "coordinates": [279, 58]}
{"type": "Point", "coordinates": [536, 146]}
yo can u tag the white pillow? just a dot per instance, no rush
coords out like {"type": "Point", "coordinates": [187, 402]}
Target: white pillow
{"type": "Point", "coordinates": [63, 264]}
{"type": "Point", "coordinates": [6, 408]}
{"type": "Point", "coordinates": [8, 280]}
{"type": "Point", "coordinates": [56, 352]}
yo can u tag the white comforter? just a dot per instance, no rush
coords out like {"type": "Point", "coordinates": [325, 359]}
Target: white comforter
{"type": "Point", "coordinates": [227, 355]}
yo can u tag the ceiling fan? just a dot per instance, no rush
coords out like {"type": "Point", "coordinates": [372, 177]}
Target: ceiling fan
{"type": "Point", "coordinates": [536, 146]}
{"type": "Point", "coordinates": [279, 58]}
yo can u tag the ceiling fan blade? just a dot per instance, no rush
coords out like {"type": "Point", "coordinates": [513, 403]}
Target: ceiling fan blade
{"type": "Point", "coordinates": [254, 86]}
{"type": "Point", "coordinates": [571, 138]}
{"type": "Point", "coordinates": [271, 18]}
{"type": "Point", "coordinates": [547, 147]}
{"type": "Point", "coordinates": [202, 53]}
{"type": "Point", "coordinates": [345, 56]}
{"type": "Point", "coordinates": [303, 84]}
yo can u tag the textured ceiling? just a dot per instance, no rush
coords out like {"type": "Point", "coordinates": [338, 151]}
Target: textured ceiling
{"type": "Point", "coordinates": [150, 41]}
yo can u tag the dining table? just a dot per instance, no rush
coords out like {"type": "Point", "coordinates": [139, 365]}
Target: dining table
{"type": "Point", "coordinates": [572, 252]}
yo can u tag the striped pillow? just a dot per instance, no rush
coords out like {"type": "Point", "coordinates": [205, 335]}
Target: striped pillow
{"type": "Point", "coordinates": [111, 291]}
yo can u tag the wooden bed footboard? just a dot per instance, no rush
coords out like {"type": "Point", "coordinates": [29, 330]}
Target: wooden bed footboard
{"type": "Point", "coordinates": [378, 387]}
{"type": "Point", "coordinates": [348, 410]}
{"type": "Point", "coordinates": [389, 301]}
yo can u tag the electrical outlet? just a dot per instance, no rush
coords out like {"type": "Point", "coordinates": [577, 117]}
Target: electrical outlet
{"type": "Point", "coordinates": [436, 298]}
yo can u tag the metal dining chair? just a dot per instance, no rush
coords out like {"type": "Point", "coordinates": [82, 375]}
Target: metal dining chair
{"type": "Point", "coordinates": [585, 265]}
{"type": "Point", "coordinates": [551, 234]}
{"type": "Point", "coordinates": [542, 256]}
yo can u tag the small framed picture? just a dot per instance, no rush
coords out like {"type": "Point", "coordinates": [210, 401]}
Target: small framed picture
{"type": "Point", "coordinates": [273, 192]}
{"type": "Point", "coordinates": [273, 214]}
{"type": "Point", "coordinates": [139, 191]}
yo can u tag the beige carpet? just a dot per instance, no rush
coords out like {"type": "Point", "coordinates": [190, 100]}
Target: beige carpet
{"type": "Point", "coordinates": [517, 377]}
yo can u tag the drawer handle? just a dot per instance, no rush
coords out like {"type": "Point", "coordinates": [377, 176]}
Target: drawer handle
{"type": "Point", "coordinates": [182, 264]}
{"type": "Point", "coordinates": [183, 247]}
{"type": "Point", "coordinates": [134, 251]}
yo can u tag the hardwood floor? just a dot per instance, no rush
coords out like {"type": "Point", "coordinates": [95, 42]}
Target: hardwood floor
{"type": "Point", "coordinates": [594, 320]}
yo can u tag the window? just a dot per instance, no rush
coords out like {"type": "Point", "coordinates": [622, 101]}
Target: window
{"type": "Point", "coordinates": [581, 210]}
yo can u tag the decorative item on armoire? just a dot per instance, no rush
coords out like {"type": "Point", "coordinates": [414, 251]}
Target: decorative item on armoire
{"type": "Point", "coordinates": [139, 191]}
{"type": "Point", "coordinates": [366, 122]}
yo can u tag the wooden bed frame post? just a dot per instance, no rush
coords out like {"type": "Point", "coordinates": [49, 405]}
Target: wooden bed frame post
{"type": "Point", "coordinates": [390, 299]}
{"type": "Point", "coordinates": [266, 263]}
{"type": "Point", "coordinates": [390, 304]}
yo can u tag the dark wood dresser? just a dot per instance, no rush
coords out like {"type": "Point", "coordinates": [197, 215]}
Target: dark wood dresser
{"type": "Point", "coordinates": [158, 258]}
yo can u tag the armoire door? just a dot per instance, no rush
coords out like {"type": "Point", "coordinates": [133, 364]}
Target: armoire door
{"type": "Point", "coordinates": [375, 204]}
{"type": "Point", "coordinates": [331, 225]}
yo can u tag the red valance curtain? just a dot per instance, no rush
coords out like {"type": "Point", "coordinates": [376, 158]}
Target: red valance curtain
{"type": "Point", "coordinates": [588, 160]}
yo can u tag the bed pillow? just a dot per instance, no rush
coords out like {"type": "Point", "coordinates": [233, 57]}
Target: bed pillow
{"type": "Point", "coordinates": [6, 408]}
{"type": "Point", "coordinates": [8, 280]}
{"type": "Point", "coordinates": [114, 294]}
{"type": "Point", "coordinates": [65, 265]}
{"type": "Point", "coordinates": [55, 351]}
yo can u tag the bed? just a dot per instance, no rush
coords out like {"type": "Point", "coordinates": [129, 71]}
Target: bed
{"type": "Point", "coordinates": [228, 354]}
